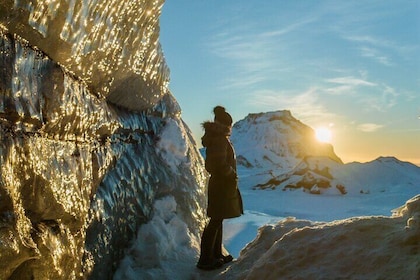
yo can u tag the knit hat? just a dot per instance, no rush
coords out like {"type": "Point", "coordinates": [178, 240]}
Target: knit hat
{"type": "Point", "coordinates": [221, 116]}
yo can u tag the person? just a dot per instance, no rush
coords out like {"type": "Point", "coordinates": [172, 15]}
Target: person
{"type": "Point", "coordinates": [224, 198]}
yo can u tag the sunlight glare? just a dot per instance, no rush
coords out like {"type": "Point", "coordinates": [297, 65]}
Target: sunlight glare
{"type": "Point", "coordinates": [323, 134]}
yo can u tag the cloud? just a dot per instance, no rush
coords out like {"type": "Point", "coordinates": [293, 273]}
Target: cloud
{"type": "Point", "coordinates": [234, 83]}
{"type": "Point", "coordinates": [237, 48]}
{"type": "Point", "coordinates": [305, 105]}
{"type": "Point", "coordinates": [346, 85]}
{"type": "Point", "coordinates": [290, 28]}
{"type": "Point", "coordinates": [376, 55]}
{"type": "Point", "coordinates": [380, 49]}
{"type": "Point", "coordinates": [385, 98]}
{"type": "Point", "coordinates": [369, 127]}
{"type": "Point", "coordinates": [350, 81]}
{"type": "Point", "coordinates": [246, 57]}
{"type": "Point", "coordinates": [254, 55]}
{"type": "Point", "coordinates": [373, 96]}
{"type": "Point", "coordinates": [339, 90]}
{"type": "Point", "coordinates": [366, 39]}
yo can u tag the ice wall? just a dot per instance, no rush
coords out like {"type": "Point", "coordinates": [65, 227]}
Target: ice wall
{"type": "Point", "coordinates": [79, 174]}
{"type": "Point", "coordinates": [112, 45]}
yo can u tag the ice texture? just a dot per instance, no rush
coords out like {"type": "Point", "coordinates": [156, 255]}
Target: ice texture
{"type": "Point", "coordinates": [78, 174]}
{"type": "Point", "coordinates": [113, 45]}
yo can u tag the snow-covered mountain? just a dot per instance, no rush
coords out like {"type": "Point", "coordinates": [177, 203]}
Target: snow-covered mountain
{"type": "Point", "coordinates": [276, 151]}
{"type": "Point", "coordinates": [276, 140]}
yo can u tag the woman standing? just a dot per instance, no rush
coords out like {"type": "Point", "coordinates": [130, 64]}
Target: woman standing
{"type": "Point", "coordinates": [224, 198]}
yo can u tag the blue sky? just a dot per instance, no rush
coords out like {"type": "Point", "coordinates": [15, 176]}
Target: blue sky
{"type": "Point", "coordinates": [351, 66]}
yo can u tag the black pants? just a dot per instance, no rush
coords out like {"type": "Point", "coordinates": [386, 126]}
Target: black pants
{"type": "Point", "coordinates": [211, 241]}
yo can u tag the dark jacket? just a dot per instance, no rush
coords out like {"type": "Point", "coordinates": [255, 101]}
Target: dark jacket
{"type": "Point", "coordinates": [224, 198]}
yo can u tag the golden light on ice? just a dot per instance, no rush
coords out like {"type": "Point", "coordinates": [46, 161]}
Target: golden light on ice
{"type": "Point", "coordinates": [323, 134]}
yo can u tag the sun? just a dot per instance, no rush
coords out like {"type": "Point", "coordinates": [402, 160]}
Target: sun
{"type": "Point", "coordinates": [323, 134]}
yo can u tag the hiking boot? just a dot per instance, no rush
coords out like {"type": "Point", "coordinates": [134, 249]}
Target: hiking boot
{"type": "Point", "coordinates": [216, 263]}
{"type": "Point", "coordinates": [227, 259]}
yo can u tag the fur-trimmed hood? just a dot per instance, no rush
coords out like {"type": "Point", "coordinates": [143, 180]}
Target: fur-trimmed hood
{"type": "Point", "coordinates": [213, 130]}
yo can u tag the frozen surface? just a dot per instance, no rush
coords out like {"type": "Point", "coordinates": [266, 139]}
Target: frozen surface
{"type": "Point", "coordinates": [113, 45]}
{"type": "Point", "coordinates": [78, 175]}
{"type": "Point", "coordinates": [374, 247]}
{"type": "Point", "coordinates": [334, 237]}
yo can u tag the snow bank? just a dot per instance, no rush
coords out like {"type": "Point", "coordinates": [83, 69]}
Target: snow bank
{"type": "Point", "coordinates": [172, 144]}
{"type": "Point", "coordinates": [375, 247]}
{"type": "Point", "coordinates": [164, 248]}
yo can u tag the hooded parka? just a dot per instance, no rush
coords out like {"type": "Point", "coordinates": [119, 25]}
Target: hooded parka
{"type": "Point", "coordinates": [224, 198]}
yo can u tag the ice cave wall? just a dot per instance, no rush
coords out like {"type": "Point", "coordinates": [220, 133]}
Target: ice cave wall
{"type": "Point", "coordinates": [112, 45]}
{"type": "Point", "coordinates": [79, 170]}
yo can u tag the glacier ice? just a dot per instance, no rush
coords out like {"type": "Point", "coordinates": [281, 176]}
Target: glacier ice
{"type": "Point", "coordinates": [88, 130]}
{"type": "Point", "coordinates": [113, 45]}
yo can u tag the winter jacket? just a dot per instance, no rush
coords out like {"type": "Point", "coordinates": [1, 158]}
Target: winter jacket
{"type": "Point", "coordinates": [224, 198]}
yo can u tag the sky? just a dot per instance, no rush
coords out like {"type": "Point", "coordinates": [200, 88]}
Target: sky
{"type": "Point", "coordinates": [352, 67]}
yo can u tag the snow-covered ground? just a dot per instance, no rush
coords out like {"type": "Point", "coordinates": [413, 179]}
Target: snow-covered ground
{"type": "Point", "coordinates": [164, 248]}
{"type": "Point", "coordinates": [379, 192]}
{"type": "Point", "coordinates": [369, 247]}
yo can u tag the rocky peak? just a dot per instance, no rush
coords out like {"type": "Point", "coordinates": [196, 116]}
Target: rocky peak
{"type": "Point", "coordinates": [276, 139]}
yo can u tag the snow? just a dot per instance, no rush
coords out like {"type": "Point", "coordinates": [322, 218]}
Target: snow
{"type": "Point", "coordinates": [172, 144]}
{"type": "Point", "coordinates": [290, 233]}
{"type": "Point", "coordinates": [271, 206]}
{"type": "Point", "coordinates": [164, 247]}
{"type": "Point", "coordinates": [374, 247]}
